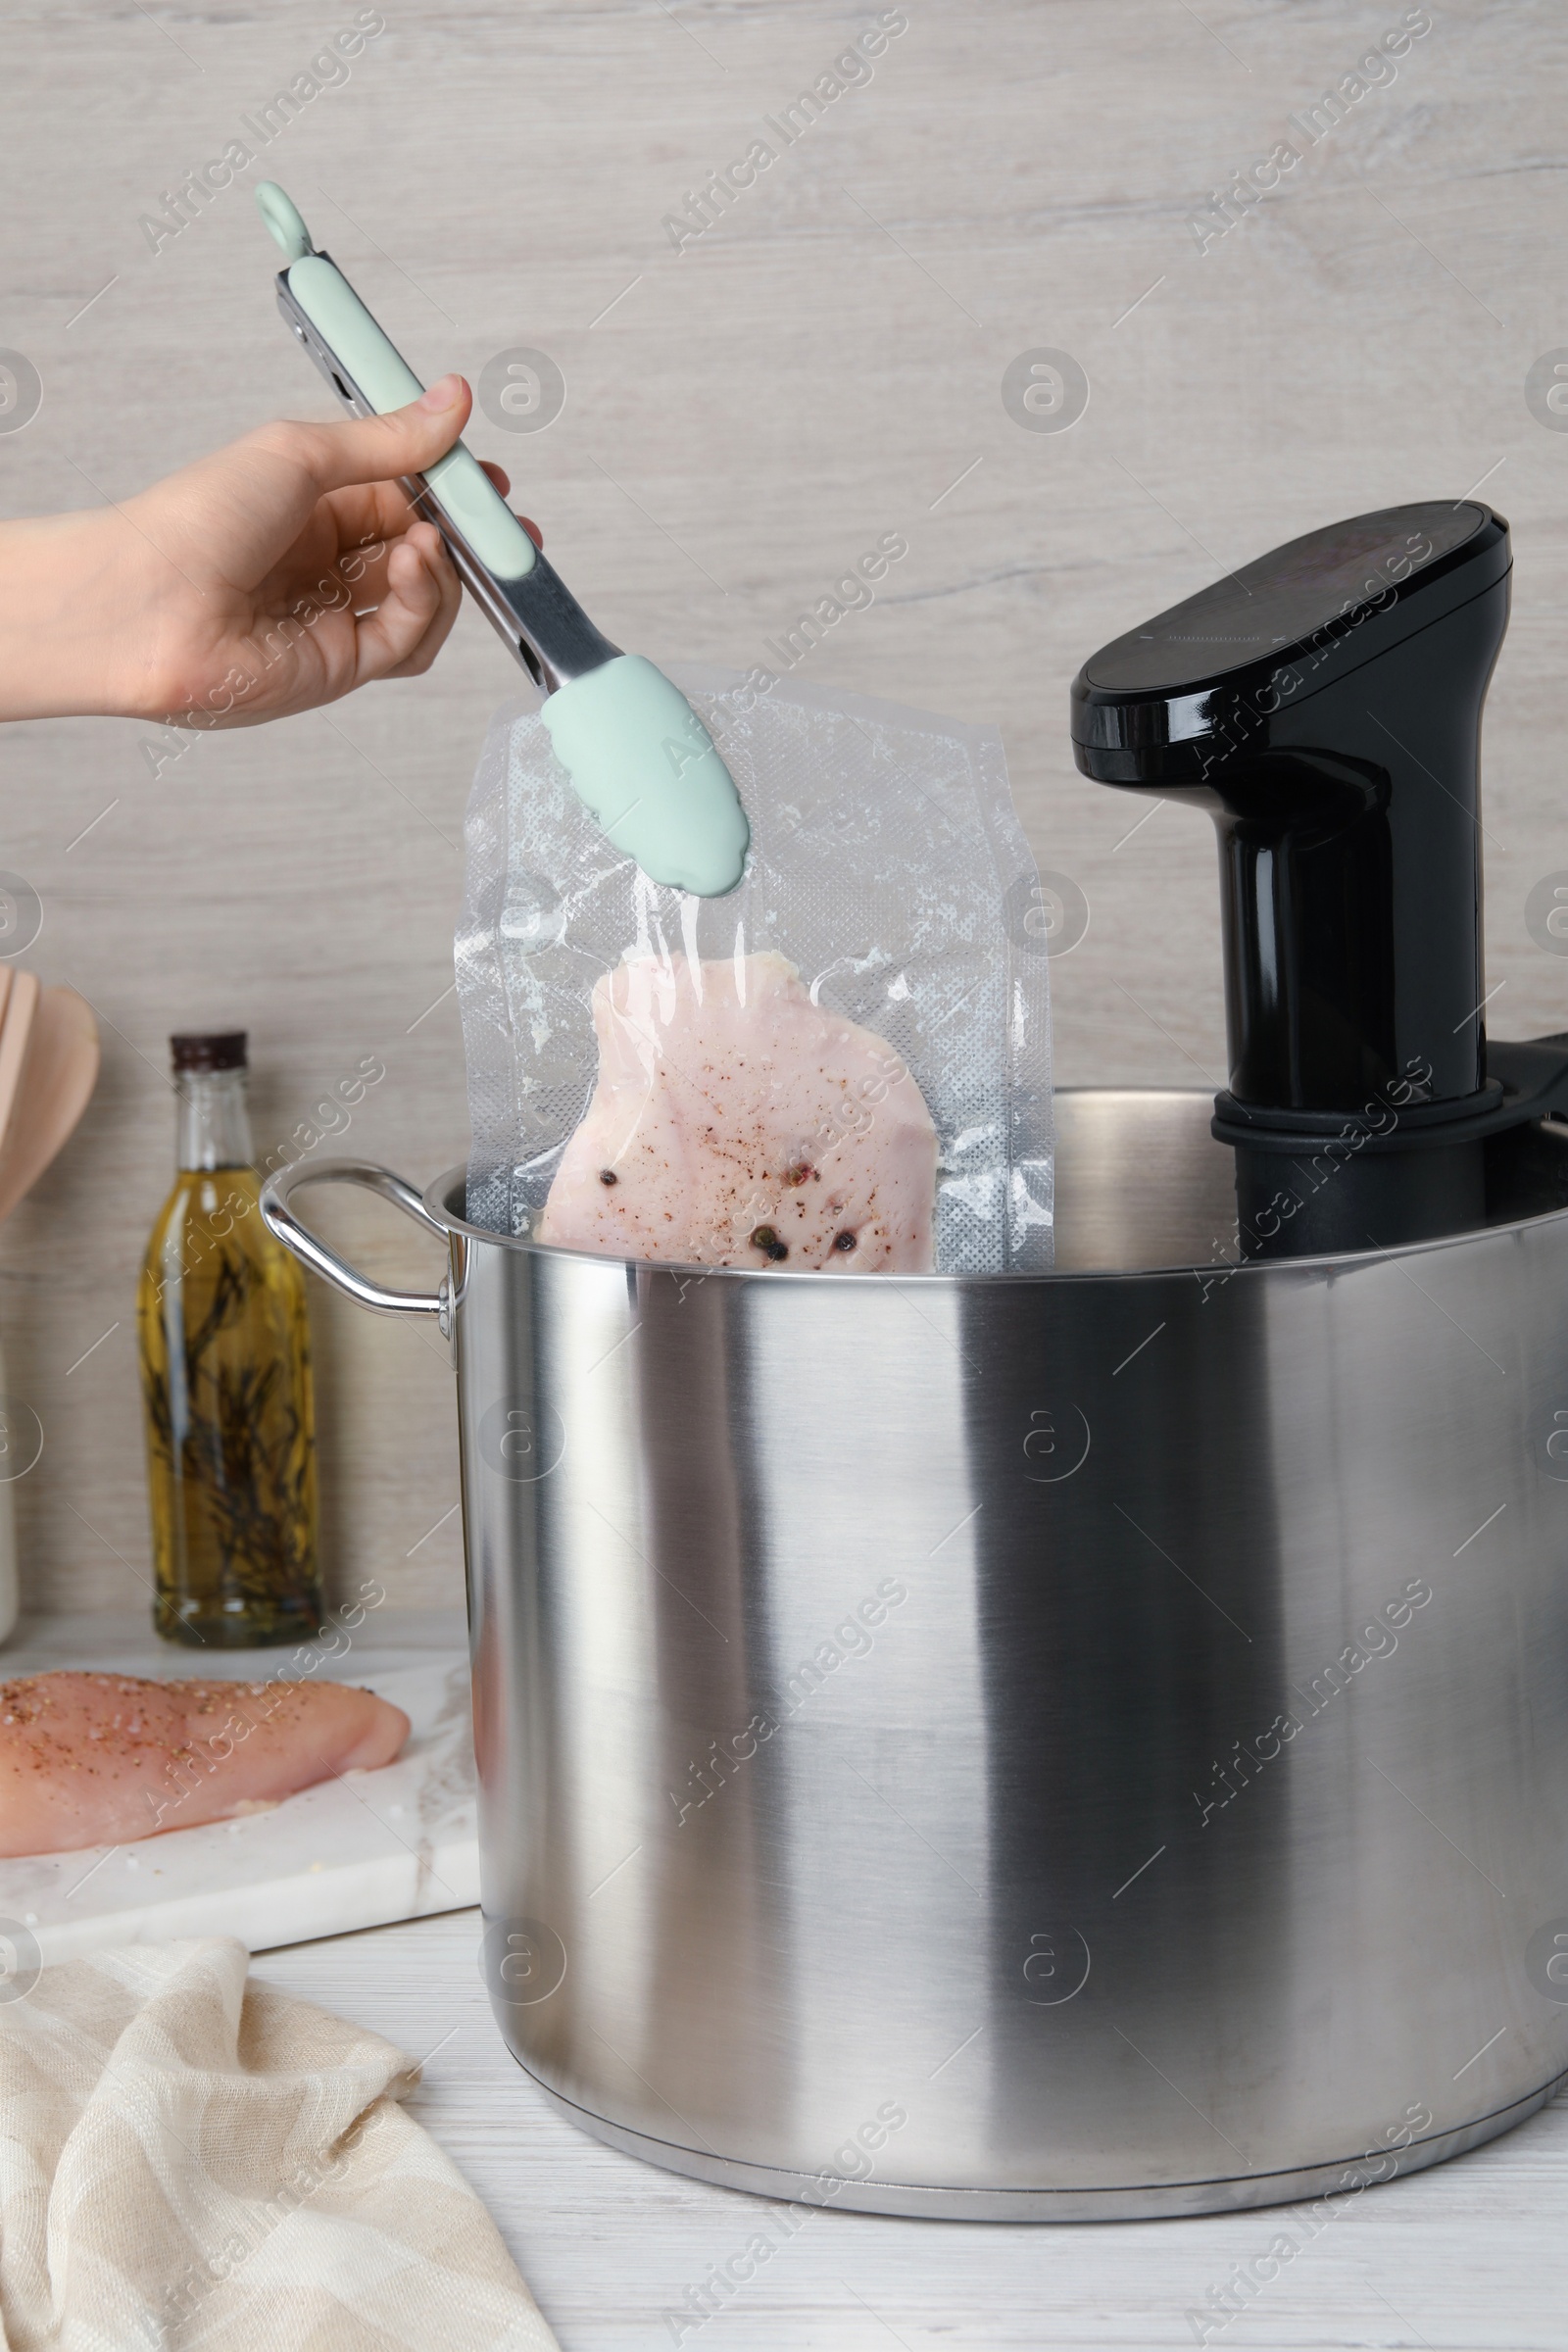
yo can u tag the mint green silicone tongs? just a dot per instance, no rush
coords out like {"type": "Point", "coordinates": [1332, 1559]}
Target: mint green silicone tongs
{"type": "Point", "coordinates": [637, 753]}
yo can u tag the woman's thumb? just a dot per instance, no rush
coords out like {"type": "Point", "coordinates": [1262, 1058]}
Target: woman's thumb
{"type": "Point", "coordinates": [377, 449]}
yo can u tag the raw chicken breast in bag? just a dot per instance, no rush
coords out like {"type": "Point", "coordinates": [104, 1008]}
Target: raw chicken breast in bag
{"type": "Point", "coordinates": [843, 1066]}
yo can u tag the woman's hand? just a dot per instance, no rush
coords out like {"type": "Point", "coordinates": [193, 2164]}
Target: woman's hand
{"type": "Point", "coordinates": [275, 576]}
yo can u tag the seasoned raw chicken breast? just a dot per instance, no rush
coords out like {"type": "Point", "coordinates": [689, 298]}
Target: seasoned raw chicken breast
{"type": "Point", "coordinates": [99, 1760]}
{"type": "Point", "coordinates": [735, 1123]}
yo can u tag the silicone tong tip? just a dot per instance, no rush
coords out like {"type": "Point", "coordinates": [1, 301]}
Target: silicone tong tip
{"type": "Point", "coordinates": [282, 217]}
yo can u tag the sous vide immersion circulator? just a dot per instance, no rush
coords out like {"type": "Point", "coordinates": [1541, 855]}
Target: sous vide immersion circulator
{"type": "Point", "coordinates": [1324, 705]}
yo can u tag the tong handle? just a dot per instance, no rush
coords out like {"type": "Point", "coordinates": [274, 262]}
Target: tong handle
{"type": "Point", "coordinates": [371, 374]}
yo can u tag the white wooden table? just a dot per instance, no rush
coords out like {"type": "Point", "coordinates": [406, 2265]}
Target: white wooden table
{"type": "Point", "coordinates": [1472, 2254]}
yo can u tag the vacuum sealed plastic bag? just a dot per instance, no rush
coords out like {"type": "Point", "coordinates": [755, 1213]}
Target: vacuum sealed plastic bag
{"type": "Point", "coordinates": [843, 1065]}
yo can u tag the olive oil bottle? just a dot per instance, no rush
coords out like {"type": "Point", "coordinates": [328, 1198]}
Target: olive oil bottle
{"type": "Point", "coordinates": [226, 1366]}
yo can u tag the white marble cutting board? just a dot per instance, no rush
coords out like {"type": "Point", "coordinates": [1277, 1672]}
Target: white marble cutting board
{"type": "Point", "coordinates": [354, 1853]}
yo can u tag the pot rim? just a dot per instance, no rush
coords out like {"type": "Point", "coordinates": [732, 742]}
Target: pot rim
{"type": "Point", "coordinates": [437, 1202]}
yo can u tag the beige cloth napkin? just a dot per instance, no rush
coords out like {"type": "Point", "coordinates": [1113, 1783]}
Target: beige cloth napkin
{"type": "Point", "coordinates": [188, 2159]}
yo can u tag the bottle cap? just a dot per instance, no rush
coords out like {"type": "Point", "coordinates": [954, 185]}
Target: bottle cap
{"type": "Point", "coordinates": [208, 1049]}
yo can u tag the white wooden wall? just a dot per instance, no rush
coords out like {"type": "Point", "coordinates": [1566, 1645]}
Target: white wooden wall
{"type": "Point", "coordinates": [743, 416]}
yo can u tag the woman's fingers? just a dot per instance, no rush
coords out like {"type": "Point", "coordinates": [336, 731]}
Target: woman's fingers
{"type": "Point", "coordinates": [503, 482]}
{"type": "Point", "coordinates": [374, 514]}
{"type": "Point", "coordinates": [402, 637]}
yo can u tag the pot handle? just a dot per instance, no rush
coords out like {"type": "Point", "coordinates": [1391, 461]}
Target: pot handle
{"type": "Point", "coordinates": [280, 1220]}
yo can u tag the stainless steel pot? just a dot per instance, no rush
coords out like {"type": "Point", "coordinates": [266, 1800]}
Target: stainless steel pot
{"type": "Point", "coordinates": [1078, 1745]}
